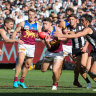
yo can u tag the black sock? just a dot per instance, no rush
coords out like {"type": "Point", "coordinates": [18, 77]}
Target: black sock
{"type": "Point", "coordinates": [87, 80]}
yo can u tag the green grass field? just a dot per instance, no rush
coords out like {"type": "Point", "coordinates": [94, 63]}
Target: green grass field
{"type": "Point", "coordinates": [39, 84]}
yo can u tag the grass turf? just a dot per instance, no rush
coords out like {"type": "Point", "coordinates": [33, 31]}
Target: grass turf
{"type": "Point", "coordinates": [39, 84]}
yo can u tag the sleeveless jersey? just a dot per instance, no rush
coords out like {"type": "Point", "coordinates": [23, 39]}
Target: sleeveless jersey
{"type": "Point", "coordinates": [28, 33]}
{"type": "Point", "coordinates": [56, 45]}
{"type": "Point", "coordinates": [92, 37]}
{"type": "Point", "coordinates": [7, 34]}
{"type": "Point", "coordinates": [77, 42]}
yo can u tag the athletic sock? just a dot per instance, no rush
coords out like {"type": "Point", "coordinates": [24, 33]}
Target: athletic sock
{"type": "Point", "coordinates": [55, 84]}
{"type": "Point", "coordinates": [76, 78]}
{"type": "Point", "coordinates": [87, 80]}
{"type": "Point", "coordinates": [15, 79]}
{"type": "Point", "coordinates": [22, 79]}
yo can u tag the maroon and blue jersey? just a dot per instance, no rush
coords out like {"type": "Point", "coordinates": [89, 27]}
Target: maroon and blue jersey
{"type": "Point", "coordinates": [56, 45]}
{"type": "Point", "coordinates": [28, 33]}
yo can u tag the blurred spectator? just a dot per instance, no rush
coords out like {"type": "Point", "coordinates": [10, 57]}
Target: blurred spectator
{"type": "Point", "coordinates": [77, 3]}
{"type": "Point", "coordinates": [19, 19]}
{"type": "Point", "coordinates": [44, 11]}
{"type": "Point", "coordinates": [0, 11]}
{"type": "Point", "coordinates": [1, 22]}
{"type": "Point", "coordinates": [69, 11]}
{"type": "Point", "coordinates": [55, 19]}
{"type": "Point", "coordinates": [21, 3]}
{"type": "Point", "coordinates": [56, 6]}
{"type": "Point", "coordinates": [16, 2]}
{"type": "Point", "coordinates": [67, 3]}
{"type": "Point", "coordinates": [94, 21]}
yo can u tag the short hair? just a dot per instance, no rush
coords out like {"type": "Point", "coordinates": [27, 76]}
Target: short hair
{"type": "Point", "coordinates": [72, 15]}
{"type": "Point", "coordinates": [8, 19]}
{"type": "Point", "coordinates": [87, 17]}
{"type": "Point", "coordinates": [69, 9]}
{"type": "Point", "coordinates": [47, 19]}
{"type": "Point", "coordinates": [32, 10]}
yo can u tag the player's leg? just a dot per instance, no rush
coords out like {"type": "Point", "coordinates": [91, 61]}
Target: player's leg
{"type": "Point", "coordinates": [30, 50]}
{"type": "Point", "coordinates": [92, 72]}
{"type": "Point", "coordinates": [26, 66]}
{"type": "Point", "coordinates": [76, 69]}
{"type": "Point", "coordinates": [92, 62]}
{"type": "Point", "coordinates": [60, 69]}
{"type": "Point", "coordinates": [57, 67]}
{"type": "Point", "coordinates": [21, 57]}
{"type": "Point", "coordinates": [89, 63]}
{"type": "Point", "coordinates": [45, 65]}
{"type": "Point", "coordinates": [84, 58]}
{"type": "Point", "coordinates": [76, 72]}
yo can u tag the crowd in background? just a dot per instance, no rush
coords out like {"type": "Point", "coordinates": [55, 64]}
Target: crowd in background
{"type": "Point", "coordinates": [55, 9]}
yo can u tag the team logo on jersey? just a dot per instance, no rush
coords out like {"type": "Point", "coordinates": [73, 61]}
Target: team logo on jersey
{"type": "Point", "coordinates": [29, 33]}
{"type": "Point", "coordinates": [26, 27]}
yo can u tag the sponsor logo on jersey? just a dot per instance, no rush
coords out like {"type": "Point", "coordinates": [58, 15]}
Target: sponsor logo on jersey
{"type": "Point", "coordinates": [26, 27]}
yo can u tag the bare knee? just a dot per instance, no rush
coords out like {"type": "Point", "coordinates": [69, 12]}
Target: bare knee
{"type": "Point", "coordinates": [27, 65]}
{"type": "Point", "coordinates": [43, 70]}
{"type": "Point", "coordinates": [19, 64]}
{"type": "Point", "coordinates": [55, 71]}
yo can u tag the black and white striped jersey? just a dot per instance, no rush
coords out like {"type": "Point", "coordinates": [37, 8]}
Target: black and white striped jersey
{"type": "Point", "coordinates": [77, 42]}
{"type": "Point", "coordinates": [7, 34]}
{"type": "Point", "coordinates": [92, 37]}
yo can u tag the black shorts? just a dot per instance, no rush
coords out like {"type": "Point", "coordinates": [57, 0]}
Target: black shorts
{"type": "Point", "coordinates": [93, 54]}
{"type": "Point", "coordinates": [77, 51]}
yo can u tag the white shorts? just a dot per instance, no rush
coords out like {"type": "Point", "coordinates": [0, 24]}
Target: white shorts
{"type": "Point", "coordinates": [67, 50]}
{"type": "Point", "coordinates": [51, 56]}
{"type": "Point", "coordinates": [28, 50]}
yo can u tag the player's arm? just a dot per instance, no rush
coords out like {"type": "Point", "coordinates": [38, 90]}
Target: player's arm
{"type": "Point", "coordinates": [59, 30]}
{"type": "Point", "coordinates": [18, 29]}
{"type": "Point", "coordinates": [38, 29]}
{"type": "Point", "coordinates": [5, 38]}
{"type": "Point", "coordinates": [76, 35]}
{"type": "Point", "coordinates": [47, 42]}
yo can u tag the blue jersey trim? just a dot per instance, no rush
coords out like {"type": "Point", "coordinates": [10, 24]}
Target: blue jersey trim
{"type": "Point", "coordinates": [30, 26]}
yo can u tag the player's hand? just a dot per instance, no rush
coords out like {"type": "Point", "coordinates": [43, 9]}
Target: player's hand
{"type": "Point", "coordinates": [83, 49]}
{"type": "Point", "coordinates": [20, 41]}
{"type": "Point", "coordinates": [47, 38]}
{"type": "Point", "coordinates": [0, 52]}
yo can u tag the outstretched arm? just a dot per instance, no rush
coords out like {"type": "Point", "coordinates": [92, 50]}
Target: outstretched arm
{"type": "Point", "coordinates": [18, 29]}
{"type": "Point", "coordinates": [76, 35]}
{"type": "Point", "coordinates": [59, 33]}
{"type": "Point", "coordinates": [5, 38]}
